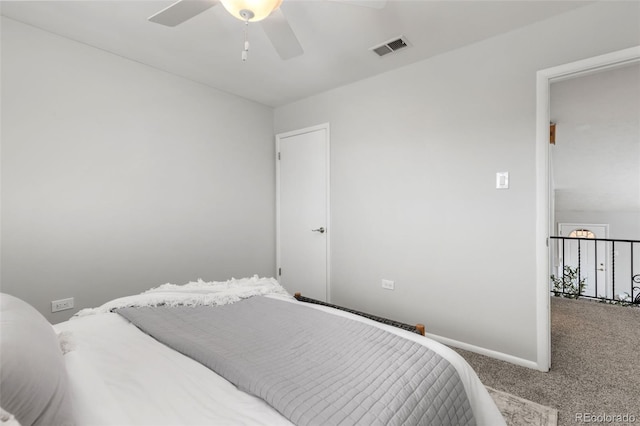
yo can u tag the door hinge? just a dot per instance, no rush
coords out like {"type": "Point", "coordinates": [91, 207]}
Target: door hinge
{"type": "Point", "coordinates": [279, 272]}
{"type": "Point", "coordinates": [278, 156]}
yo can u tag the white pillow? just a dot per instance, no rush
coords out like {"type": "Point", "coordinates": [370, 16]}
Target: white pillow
{"type": "Point", "coordinates": [7, 419]}
{"type": "Point", "coordinates": [32, 370]}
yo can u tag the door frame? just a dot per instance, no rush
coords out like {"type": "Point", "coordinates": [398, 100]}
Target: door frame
{"type": "Point", "coordinates": [279, 136]}
{"type": "Point", "coordinates": [543, 190]}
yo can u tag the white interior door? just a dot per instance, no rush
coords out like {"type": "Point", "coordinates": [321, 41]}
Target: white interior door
{"type": "Point", "coordinates": [303, 211]}
{"type": "Point", "coordinates": [592, 256]}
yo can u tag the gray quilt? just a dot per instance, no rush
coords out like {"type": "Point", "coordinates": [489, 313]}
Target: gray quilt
{"type": "Point", "coordinates": [313, 367]}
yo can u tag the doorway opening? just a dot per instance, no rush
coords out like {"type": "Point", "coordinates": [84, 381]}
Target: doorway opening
{"type": "Point", "coordinates": [545, 212]}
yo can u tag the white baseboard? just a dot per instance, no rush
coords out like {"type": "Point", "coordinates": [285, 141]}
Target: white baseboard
{"type": "Point", "coordinates": [487, 352]}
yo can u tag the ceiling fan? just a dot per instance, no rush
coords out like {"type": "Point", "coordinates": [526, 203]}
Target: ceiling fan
{"type": "Point", "coordinates": [274, 23]}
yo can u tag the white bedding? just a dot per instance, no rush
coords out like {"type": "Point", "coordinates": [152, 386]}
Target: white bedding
{"type": "Point", "coordinates": [121, 376]}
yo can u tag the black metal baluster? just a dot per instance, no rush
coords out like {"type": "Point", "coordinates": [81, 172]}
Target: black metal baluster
{"type": "Point", "coordinates": [613, 270]}
{"type": "Point", "coordinates": [595, 261]}
{"type": "Point", "coordinates": [631, 273]}
{"type": "Point", "coordinates": [563, 260]}
{"type": "Point", "coordinates": [579, 266]}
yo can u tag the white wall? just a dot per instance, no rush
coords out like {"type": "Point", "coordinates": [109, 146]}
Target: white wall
{"type": "Point", "coordinates": [414, 157]}
{"type": "Point", "coordinates": [622, 225]}
{"type": "Point", "coordinates": [596, 158]}
{"type": "Point", "coordinates": [117, 177]}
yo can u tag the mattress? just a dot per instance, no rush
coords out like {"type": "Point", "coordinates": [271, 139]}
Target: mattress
{"type": "Point", "coordinates": [119, 375]}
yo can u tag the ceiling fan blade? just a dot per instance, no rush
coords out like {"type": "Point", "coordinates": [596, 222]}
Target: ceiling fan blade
{"type": "Point", "coordinates": [180, 11]}
{"type": "Point", "coordinates": [282, 37]}
{"type": "Point", "coordinates": [376, 4]}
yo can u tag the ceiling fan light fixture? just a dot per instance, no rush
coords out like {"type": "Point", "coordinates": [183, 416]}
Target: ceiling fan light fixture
{"type": "Point", "coordinates": [243, 9]}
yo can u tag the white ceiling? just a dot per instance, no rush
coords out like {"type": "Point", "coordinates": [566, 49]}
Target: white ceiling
{"type": "Point", "coordinates": [336, 38]}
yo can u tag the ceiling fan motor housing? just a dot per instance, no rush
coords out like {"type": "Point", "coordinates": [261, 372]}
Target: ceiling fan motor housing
{"type": "Point", "coordinates": [251, 10]}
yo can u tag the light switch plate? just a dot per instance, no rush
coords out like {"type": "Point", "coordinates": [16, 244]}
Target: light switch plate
{"type": "Point", "coordinates": [502, 180]}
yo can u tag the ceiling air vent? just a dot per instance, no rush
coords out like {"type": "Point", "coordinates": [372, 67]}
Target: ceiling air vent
{"type": "Point", "coordinates": [391, 46]}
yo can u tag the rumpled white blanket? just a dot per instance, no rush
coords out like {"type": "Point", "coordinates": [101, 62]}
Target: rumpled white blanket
{"type": "Point", "coordinates": [198, 293]}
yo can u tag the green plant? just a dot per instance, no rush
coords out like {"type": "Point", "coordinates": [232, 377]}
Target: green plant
{"type": "Point", "coordinates": [616, 302]}
{"type": "Point", "coordinates": [568, 284]}
{"type": "Point", "coordinates": [624, 299]}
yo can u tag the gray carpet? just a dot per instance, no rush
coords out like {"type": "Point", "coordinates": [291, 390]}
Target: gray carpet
{"type": "Point", "coordinates": [595, 356]}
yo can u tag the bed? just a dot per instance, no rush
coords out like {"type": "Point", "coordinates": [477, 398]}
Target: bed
{"type": "Point", "coordinates": [225, 353]}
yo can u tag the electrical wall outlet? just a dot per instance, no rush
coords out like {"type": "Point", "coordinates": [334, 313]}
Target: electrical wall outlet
{"type": "Point", "coordinates": [389, 285]}
{"type": "Point", "coordinates": [62, 304]}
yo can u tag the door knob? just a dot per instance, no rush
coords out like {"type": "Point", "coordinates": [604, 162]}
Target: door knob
{"type": "Point", "coordinates": [320, 230]}
{"type": "Point", "coordinates": [601, 267]}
